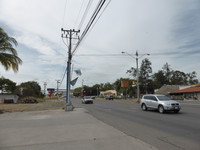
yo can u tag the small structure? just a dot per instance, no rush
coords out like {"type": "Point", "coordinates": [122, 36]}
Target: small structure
{"type": "Point", "coordinates": [108, 92]}
{"type": "Point", "coordinates": [192, 92]}
{"type": "Point", "coordinates": [8, 98]}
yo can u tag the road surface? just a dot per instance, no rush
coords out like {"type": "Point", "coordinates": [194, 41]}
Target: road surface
{"type": "Point", "coordinates": [165, 131]}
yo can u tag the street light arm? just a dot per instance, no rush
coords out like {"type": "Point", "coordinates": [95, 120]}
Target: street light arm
{"type": "Point", "coordinates": [129, 54]}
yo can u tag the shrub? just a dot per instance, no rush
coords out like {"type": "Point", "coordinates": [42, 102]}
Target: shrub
{"type": "Point", "coordinates": [29, 100]}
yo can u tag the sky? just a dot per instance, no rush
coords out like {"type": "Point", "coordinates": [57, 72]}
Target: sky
{"type": "Point", "coordinates": [168, 30]}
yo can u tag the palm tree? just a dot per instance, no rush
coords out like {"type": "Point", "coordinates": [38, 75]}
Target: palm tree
{"type": "Point", "coordinates": [8, 54]}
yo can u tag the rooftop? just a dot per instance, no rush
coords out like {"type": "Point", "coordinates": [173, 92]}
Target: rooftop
{"type": "Point", "coordinates": [193, 89]}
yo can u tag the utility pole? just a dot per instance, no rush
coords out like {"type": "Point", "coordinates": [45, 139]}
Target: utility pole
{"type": "Point", "coordinates": [58, 81]}
{"type": "Point", "coordinates": [137, 73]}
{"type": "Point", "coordinates": [68, 35]}
{"type": "Point", "coordinates": [45, 85]}
{"type": "Point", "coordinates": [138, 86]}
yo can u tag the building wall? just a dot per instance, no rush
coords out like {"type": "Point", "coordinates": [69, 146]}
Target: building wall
{"type": "Point", "coordinates": [108, 92]}
{"type": "Point", "coordinates": [186, 96]}
{"type": "Point", "coordinates": [6, 97]}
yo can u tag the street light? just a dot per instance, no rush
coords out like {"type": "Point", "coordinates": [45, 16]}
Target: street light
{"type": "Point", "coordinates": [136, 57]}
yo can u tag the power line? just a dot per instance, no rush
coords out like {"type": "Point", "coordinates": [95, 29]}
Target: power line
{"type": "Point", "coordinates": [64, 13]}
{"type": "Point", "coordinates": [99, 17]}
{"type": "Point", "coordinates": [79, 13]}
{"type": "Point", "coordinates": [98, 8]}
{"type": "Point", "coordinates": [100, 55]}
{"type": "Point", "coordinates": [85, 13]}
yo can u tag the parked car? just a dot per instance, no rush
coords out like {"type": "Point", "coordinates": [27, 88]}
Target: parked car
{"type": "Point", "coordinates": [161, 103]}
{"type": "Point", "coordinates": [109, 97]}
{"type": "Point", "coordinates": [87, 100]}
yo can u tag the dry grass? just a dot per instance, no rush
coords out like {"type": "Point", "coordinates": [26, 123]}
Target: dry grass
{"type": "Point", "coordinates": [49, 104]}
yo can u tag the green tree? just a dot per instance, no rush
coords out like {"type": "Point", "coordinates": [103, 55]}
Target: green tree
{"type": "Point", "coordinates": [7, 86]}
{"type": "Point", "coordinates": [178, 78]}
{"type": "Point", "coordinates": [77, 91]}
{"type": "Point", "coordinates": [167, 73]}
{"type": "Point", "coordinates": [30, 88]}
{"type": "Point", "coordinates": [159, 79]}
{"type": "Point", "coordinates": [144, 76]}
{"type": "Point", "coordinates": [8, 54]}
{"type": "Point", "coordinates": [192, 78]}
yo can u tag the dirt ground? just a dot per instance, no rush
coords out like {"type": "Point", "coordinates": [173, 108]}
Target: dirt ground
{"type": "Point", "coordinates": [48, 104]}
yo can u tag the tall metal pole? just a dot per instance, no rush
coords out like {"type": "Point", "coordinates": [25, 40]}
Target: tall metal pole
{"type": "Point", "coordinates": [68, 103]}
{"type": "Point", "coordinates": [69, 34]}
{"type": "Point", "coordinates": [138, 82]}
{"type": "Point", "coordinates": [138, 86]}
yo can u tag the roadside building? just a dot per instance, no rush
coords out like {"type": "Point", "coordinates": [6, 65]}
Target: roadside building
{"type": "Point", "coordinates": [166, 89]}
{"type": "Point", "coordinates": [8, 98]}
{"type": "Point", "coordinates": [191, 93]}
{"type": "Point", "coordinates": [108, 92]}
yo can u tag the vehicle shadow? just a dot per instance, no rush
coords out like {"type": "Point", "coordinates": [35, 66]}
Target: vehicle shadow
{"type": "Point", "coordinates": [166, 112]}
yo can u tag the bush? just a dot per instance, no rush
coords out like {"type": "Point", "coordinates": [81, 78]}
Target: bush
{"type": "Point", "coordinates": [29, 100]}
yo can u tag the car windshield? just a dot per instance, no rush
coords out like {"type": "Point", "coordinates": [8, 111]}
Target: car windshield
{"type": "Point", "coordinates": [163, 98]}
{"type": "Point", "coordinates": [87, 97]}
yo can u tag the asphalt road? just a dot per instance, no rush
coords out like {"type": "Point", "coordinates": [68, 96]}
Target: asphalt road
{"type": "Point", "coordinates": [165, 131]}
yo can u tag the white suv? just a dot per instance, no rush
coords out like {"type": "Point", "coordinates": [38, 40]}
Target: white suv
{"type": "Point", "coordinates": [160, 102]}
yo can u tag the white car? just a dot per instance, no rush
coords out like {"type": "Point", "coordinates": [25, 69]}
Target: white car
{"type": "Point", "coordinates": [87, 100]}
{"type": "Point", "coordinates": [161, 103]}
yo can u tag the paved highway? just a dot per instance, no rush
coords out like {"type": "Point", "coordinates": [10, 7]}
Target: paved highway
{"type": "Point", "coordinates": [165, 131]}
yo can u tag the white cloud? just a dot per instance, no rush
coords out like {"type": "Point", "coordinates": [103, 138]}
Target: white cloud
{"type": "Point", "coordinates": [152, 26]}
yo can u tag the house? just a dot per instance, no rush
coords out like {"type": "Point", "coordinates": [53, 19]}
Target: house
{"type": "Point", "coordinates": [166, 89]}
{"type": "Point", "coordinates": [8, 98]}
{"type": "Point", "coordinates": [192, 92]}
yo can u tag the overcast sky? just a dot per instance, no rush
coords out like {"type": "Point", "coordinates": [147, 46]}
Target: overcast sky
{"type": "Point", "coordinates": [169, 30]}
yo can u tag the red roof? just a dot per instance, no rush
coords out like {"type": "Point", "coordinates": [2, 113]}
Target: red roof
{"type": "Point", "coordinates": [194, 89]}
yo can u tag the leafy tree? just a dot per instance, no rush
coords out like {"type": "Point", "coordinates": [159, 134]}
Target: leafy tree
{"type": "Point", "coordinates": [77, 91]}
{"type": "Point", "coordinates": [159, 79]}
{"type": "Point", "coordinates": [167, 73]}
{"type": "Point", "coordinates": [145, 74]}
{"type": "Point", "coordinates": [8, 55]}
{"type": "Point", "coordinates": [191, 77]}
{"type": "Point", "coordinates": [132, 72]}
{"type": "Point", "coordinates": [117, 84]}
{"type": "Point", "coordinates": [30, 88]}
{"type": "Point", "coordinates": [178, 78]}
{"type": "Point", "coordinates": [7, 85]}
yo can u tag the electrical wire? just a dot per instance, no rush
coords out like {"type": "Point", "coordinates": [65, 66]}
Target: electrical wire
{"type": "Point", "coordinates": [79, 13]}
{"type": "Point", "coordinates": [61, 81]}
{"type": "Point", "coordinates": [100, 55]}
{"type": "Point", "coordinates": [97, 19]}
{"type": "Point", "coordinates": [64, 13]}
{"type": "Point", "coordinates": [85, 13]}
{"type": "Point", "coordinates": [97, 10]}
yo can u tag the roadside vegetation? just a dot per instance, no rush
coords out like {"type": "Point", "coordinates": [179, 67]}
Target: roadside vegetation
{"type": "Point", "coordinates": [148, 80]}
{"type": "Point", "coordinates": [8, 54]}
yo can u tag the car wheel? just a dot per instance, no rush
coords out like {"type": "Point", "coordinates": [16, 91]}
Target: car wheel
{"type": "Point", "coordinates": [161, 109]}
{"type": "Point", "coordinates": [144, 107]}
